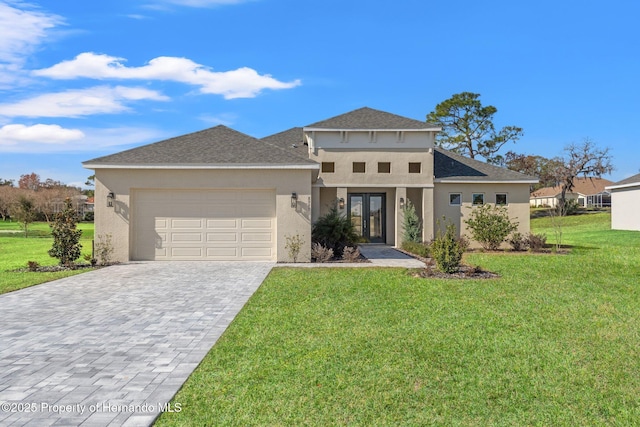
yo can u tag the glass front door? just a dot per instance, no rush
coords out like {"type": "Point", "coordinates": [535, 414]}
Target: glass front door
{"type": "Point", "coordinates": [366, 211]}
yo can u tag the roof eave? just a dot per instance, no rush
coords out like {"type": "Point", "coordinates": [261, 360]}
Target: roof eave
{"type": "Point", "coordinates": [309, 166]}
{"type": "Point", "coordinates": [314, 129]}
{"type": "Point", "coordinates": [618, 187]}
{"type": "Point", "coordinates": [482, 181]}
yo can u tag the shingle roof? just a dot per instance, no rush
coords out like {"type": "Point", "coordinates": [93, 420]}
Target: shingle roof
{"type": "Point", "coordinates": [635, 179]}
{"type": "Point", "coordinates": [450, 166]}
{"type": "Point", "coordinates": [368, 118]}
{"type": "Point", "coordinates": [291, 140]}
{"type": "Point", "coordinates": [217, 145]}
{"type": "Point", "coordinates": [587, 186]}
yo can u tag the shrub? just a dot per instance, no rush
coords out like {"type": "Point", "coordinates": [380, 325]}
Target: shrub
{"type": "Point", "coordinates": [321, 253]}
{"type": "Point", "coordinates": [293, 245]}
{"type": "Point", "coordinates": [536, 242]}
{"type": "Point", "coordinates": [490, 226]}
{"type": "Point", "coordinates": [89, 216]}
{"type": "Point", "coordinates": [419, 249]}
{"type": "Point", "coordinates": [33, 265]}
{"type": "Point", "coordinates": [571, 207]}
{"type": "Point", "coordinates": [351, 253]}
{"type": "Point", "coordinates": [334, 231]}
{"type": "Point", "coordinates": [447, 249]}
{"type": "Point", "coordinates": [66, 239]}
{"type": "Point", "coordinates": [412, 224]}
{"type": "Point", "coordinates": [103, 249]}
{"type": "Point", "coordinates": [518, 242]}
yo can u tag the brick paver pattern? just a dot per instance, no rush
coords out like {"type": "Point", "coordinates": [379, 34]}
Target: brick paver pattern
{"type": "Point", "coordinates": [113, 346]}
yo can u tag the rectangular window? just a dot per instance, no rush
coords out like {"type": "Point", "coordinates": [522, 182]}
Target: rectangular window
{"type": "Point", "coordinates": [384, 167]}
{"type": "Point", "coordinates": [478, 199]}
{"type": "Point", "coordinates": [415, 167]}
{"type": "Point", "coordinates": [328, 167]}
{"type": "Point", "coordinates": [501, 199]}
{"type": "Point", "coordinates": [358, 167]}
{"type": "Point", "coordinates": [455, 199]}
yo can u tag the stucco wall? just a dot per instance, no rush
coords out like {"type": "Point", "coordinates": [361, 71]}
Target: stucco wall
{"type": "Point", "coordinates": [625, 208]}
{"type": "Point", "coordinates": [517, 198]}
{"type": "Point", "coordinates": [116, 220]}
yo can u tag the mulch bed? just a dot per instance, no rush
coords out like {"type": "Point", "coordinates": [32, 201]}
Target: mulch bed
{"type": "Point", "coordinates": [464, 272]}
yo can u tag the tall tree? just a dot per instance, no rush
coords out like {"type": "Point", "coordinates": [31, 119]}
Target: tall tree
{"type": "Point", "coordinates": [584, 159]}
{"type": "Point", "coordinates": [8, 196]}
{"type": "Point", "coordinates": [24, 211]}
{"type": "Point", "coordinates": [30, 181]}
{"type": "Point", "coordinates": [468, 129]}
{"type": "Point", "coordinates": [541, 167]}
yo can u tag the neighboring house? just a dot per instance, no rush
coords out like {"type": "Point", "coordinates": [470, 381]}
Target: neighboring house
{"type": "Point", "coordinates": [587, 191]}
{"type": "Point", "coordinates": [625, 203]}
{"type": "Point", "coordinates": [219, 194]}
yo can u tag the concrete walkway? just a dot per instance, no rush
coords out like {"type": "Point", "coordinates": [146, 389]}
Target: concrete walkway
{"type": "Point", "coordinates": [378, 256]}
{"type": "Point", "coordinates": [113, 346]}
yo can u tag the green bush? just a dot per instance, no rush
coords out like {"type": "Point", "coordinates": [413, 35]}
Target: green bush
{"type": "Point", "coordinates": [66, 238]}
{"type": "Point", "coordinates": [447, 249]}
{"type": "Point", "coordinates": [536, 242]}
{"type": "Point", "coordinates": [412, 224]}
{"type": "Point", "coordinates": [490, 226]}
{"type": "Point", "coordinates": [417, 248]}
{"type": "Point", "coordinates": [88, 216]}
{"type": "Point", "coordinates": [518, 242]}
{"type": "Point", "coordinates": [334, 231]}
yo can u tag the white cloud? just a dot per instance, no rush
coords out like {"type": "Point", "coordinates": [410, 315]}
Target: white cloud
{"type": "Point", "coordinates": [44, 134]}
{"type": "Point", "coordinates": [22, 31]}
{"type": "Point", "coordinates": [39, 138]}
{"type": "Point", "coordinates": [241, 83]}
{"type": "Point", "coordinates": [80, 102]}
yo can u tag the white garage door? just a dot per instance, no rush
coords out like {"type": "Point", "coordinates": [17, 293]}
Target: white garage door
{"type": "Point", "coordinates": [204, 225]}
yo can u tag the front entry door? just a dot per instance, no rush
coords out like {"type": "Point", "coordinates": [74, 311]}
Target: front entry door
{"type": "Point", "coordinates": [366, 211]}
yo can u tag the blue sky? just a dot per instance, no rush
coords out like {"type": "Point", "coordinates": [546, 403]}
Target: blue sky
{"type": "Point", "coordinates": [80, 79]}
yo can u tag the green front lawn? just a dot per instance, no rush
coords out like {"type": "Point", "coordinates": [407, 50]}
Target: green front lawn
{"type": "Point", "coordinates": [16, 251]}
{"type": "Point", "coordinates": [555, 341]}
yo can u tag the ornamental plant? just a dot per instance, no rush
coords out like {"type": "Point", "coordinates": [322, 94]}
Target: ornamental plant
{"type": "Point", "coordinates": [447, 249]}
{"type": "Point", "coordinates": [334, 231]}
{"type": "Point", "coordinates": [66, 239]}
{"type": "Point", "coordinates": [490, 226]}
{"type": "Point", "coordinates": [412, 224]}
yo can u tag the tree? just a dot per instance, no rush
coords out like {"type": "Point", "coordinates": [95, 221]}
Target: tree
{"type": "Point", "coordinates": [7, 200]}
{"type": "Point", "coordinates": [30, 181]}
{"type": "Point", "coordinates": [584, 159]}
{"type": "Point", "coordinates": [541, 167]}
{"type": "Point", "coordinates": [6, 182]}
{"type": "Point", "coordinates": [468, 129]}
{"type": "Point", "coordinates": [24, 212]}
{"type": "Point", "coordinates": [66, 238]}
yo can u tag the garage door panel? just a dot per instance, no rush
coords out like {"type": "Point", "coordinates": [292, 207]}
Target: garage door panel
{"type": "Point", "coordinates": [256, 237]}
{"type": "Point", "coordinates": [222, 223]}
{"type": "Point", "coordinates": [222, 237]}
{"type": "Point", "coordinates": [204, 224]}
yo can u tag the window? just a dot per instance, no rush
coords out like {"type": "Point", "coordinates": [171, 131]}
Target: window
{"type": "Point", "coordinates": [478, 199]}
{"type": "Point", "coordinates": [328, 167]}
{"type": "Point", "coordinates": [455, 199]}
{"type": "Point", "coordinates": [415, 167]}
{"type": "Point", "coordinates": [358, 167]}
{"type": "Point", "coordinates": [384, 167]}
{"type": "Point", "coordinates": [501, 198]}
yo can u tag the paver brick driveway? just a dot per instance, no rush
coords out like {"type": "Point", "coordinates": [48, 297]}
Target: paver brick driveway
{"type": "Point", "coordinates": [112, 346]}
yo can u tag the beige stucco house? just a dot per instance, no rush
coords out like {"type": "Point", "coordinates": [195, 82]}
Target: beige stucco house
{"type": "Point", "coordinates": [219, 194]}
{"type": "Point", "coordinates": [589, 191]}
{"type": "Point", "coordinates": [625, 203]}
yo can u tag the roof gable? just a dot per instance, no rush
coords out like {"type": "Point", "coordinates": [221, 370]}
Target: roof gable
{"type": "Point", "coordinates": [214, 146]}
{"type": "Point", "coordinates": [368, 118]}
{"type": "Point", "coordinates": [291, 140]}
{"type": "Point", "coordinates": [635, 179]}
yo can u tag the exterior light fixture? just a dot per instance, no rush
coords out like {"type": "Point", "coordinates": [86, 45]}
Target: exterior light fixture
{"type": "Point", "coordinates": [401, 202]}
{"type": "Point", "coordinates": [110, 198]}
{"type": "Point", "coordinates": [294, 200]}
{"type": "Point", "coordinates": [341, 203]}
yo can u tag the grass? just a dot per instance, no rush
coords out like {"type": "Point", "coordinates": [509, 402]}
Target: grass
{"type": "Point", "coordinates": [555, 341]}
{"type": "Point", "coordinates": [16, 250]}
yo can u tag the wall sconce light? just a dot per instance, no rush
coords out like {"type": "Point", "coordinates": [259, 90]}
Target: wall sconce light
{"type": "Point", "coordinates": [294, 200]}
{"type": "Point", "coordinates": [341, 203]}
{"type": "Point", "coordinates": [110, 198]}
{"type": "Point", "coordinates": [401, 202]}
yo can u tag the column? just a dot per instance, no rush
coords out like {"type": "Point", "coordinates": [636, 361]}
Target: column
{"type": "Point", "coordinates": [428, 220]}
{"type": "Point", "coordinates": [401, 193]}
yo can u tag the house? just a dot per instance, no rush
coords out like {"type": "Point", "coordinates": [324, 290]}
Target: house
{"type": "Point", "coordinates": [587, 191]}
{"type": "Point", "coordinates": [219, 194]}
{"type": "Point", "coordinates": [625, 203]}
